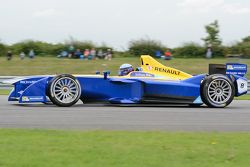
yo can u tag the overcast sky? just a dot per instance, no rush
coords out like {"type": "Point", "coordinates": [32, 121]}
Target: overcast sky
{"type": "Point", "coordinates": [116, 22]}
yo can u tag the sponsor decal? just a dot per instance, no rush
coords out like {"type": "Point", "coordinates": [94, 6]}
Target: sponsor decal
{"type": "Point", "coordinates": [27, 82]}
{"type": "Point", "coordinates": [230, 67]}
{"type": "Point", "coordinates": [236, 69]}
{"type": "Point", "coordinates": [235, 73]}
{"type": "Point", "coordinates": [25, 98]}
{"type": "Point", "coordinates": [32, 98]}
{"type": "Point", "coordinates": [174, 72]}
{"type": "Point", "coordinates": [35, 98]}
{"type": "Point", "coordinates": [141, 74]}
{"type": "Point", "coordinates": [149, 67]}
{"type": "Point", "coordinates": [242, 86]}
{"type": "Point", "coordinates": [169, 71]}
{"type": "Point", "coordinates": [240, 67]}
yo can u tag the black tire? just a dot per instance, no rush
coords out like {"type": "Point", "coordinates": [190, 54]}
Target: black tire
{"type": "Point", "coordinates": [217, 91]}
{"type": "Point", "coordinates": [64, 90]}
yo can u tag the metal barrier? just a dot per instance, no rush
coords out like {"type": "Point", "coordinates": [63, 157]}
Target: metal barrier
{"type": "Point", "coordinates": [6, 86]}
{"type": "Point", "coordinates": [248, 87]}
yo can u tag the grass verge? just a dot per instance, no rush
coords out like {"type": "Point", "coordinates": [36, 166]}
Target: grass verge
{"type": "Point", "coordinates": [243, 97]}
{"type": "Point", "coordinates": [122, 148]}
{"type": "Point", "coordinates": [4, 92]}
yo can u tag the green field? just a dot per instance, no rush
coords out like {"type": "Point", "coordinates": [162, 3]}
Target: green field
{"type": "Point", "coordinates": [52, 65]}
{"type": "Point", "coordinates": [40, 148]}
{"type": "Point", "coordinates": [4, 92]}
{"type": "Point", "coordinates": [243, 97]}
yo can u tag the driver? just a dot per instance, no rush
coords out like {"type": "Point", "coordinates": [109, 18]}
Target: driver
{"type": "Point", "coordinates": [125, 69]}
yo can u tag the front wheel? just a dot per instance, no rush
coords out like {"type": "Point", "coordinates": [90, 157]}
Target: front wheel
{"type": "Point", "coordinates": [64, 90]}
{"type": "Point", "coordinates": [217, 91]}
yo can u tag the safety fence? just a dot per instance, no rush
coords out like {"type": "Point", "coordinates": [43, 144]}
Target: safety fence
{"type": "Point", "coordinates": [7, 86]}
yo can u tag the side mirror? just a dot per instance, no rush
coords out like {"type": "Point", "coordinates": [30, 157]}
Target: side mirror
{"type": "Point", "coordinates": [105, 74]}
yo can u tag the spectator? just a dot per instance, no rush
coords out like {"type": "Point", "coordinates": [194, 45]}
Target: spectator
{"type": "Point", "coordinates": [71, 51]}
{"type": "Point", "coordinates": [104, 55]}
{"type": "Point", "coordinates": [86, 54]}
{"type": "Point", "coordinates": [167, 55]}
{"type": "Point", "coordinates": [31, 54]}
{"type": "Point", "coordinates": [109, 54]}
{"type": "Point", "coordinates": [22, 55]}
{"type": "Point", "coordinates": [93, 53]}
{"type": "Point", "coordinates": [100, 54]}
{"type": "Point", "coordinates": [64, 53]}
{"type": "Point", "coordinates": [78, 53]}
{"type": "Point", "coordinates": [158, 54]}
{"type": "Point", "coordinates": [9, 55]}
{"type": "Point", "coordinates": [209, 52]}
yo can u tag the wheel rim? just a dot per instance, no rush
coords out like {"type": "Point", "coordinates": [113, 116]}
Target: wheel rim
{"type": "Point", "coordinates": [66, 90]}
{"type": "Point", "coordinates": [219, 91]}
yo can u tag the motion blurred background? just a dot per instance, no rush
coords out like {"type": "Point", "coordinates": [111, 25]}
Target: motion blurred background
{"type": "Point", "coordinates": [52, 36]}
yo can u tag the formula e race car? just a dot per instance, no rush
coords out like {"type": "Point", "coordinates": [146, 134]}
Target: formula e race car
{"type": "Point", "coordinates": [151, 83]}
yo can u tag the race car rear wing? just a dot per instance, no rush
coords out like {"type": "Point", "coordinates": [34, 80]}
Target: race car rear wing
{"type": "Point", "coordinates": [236, 69]}
{"type": "Point", "coordinates": [228, 69]}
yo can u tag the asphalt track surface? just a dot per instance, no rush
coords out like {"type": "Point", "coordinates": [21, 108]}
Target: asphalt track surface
{"type": "Point", "coordinates": [235, 117]}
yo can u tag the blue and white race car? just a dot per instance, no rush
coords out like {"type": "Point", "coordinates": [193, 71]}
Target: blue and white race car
{"type": "Point", "coordinates": [151, 83]}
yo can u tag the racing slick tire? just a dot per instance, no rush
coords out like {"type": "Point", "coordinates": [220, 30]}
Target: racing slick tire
{"type": "Point", "coordinates": [217, 91]}
{"type": "Point", "coordinates": [64, 90]}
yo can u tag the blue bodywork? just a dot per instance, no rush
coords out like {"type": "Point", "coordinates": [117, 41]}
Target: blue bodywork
{"type": "Point", "coordinates": [139, 89]}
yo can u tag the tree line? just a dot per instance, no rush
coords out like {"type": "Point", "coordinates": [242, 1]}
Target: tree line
{"type": "Point", "coordinates": [191, 49]}
{"type": "Point", "coordinates": [141, 46]}
{"type": "Point", "coordinates": [45, 49]}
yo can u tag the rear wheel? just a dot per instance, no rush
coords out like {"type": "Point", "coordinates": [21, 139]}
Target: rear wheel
{"type": "Point", "coordinates": [64, 90]}
{"type": "Point", "coordinates": [217, 91]}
